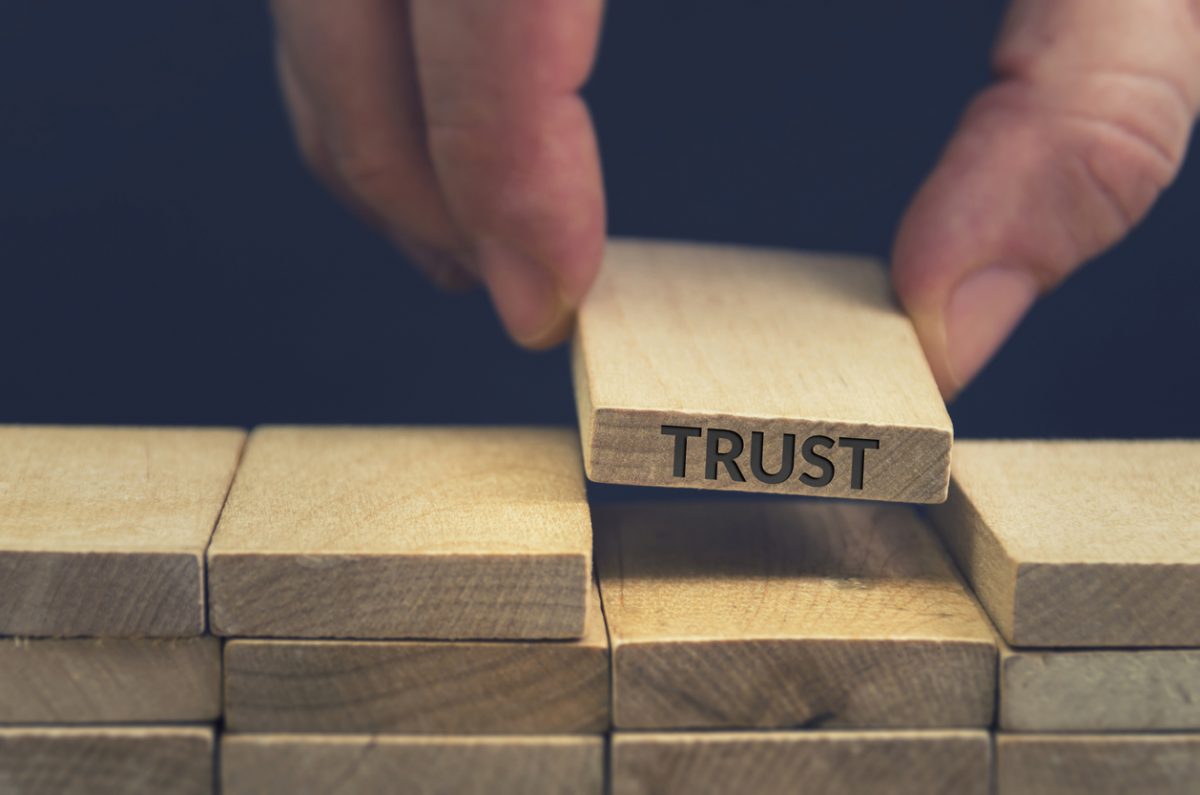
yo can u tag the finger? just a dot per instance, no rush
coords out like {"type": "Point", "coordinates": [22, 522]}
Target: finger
{"type": "Point", "coordinates": [1087, 123]}
{"type": "Point", "coordinates": [514, 150]}
{"type": "Point", "coordinates": [348, 78]}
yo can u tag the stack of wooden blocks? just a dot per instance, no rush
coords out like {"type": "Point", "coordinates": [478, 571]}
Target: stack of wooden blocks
{"type": "Point", "coordinates": [361, 610]}
{"type": "Point", "coordinates": [1087, 557]}
{"type": "Point", "coordinates": [108, 681]}
{"type": "Point", "coordinates": [422, 613]}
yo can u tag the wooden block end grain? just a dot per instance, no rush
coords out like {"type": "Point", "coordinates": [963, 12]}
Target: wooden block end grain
{"type": "Point", "coordinates": [103, 530]}
{"type": "Point", "coordinates": [1100, 690]}
{"type": "Point", "coordinates": [107, 761]}
{"type": "Point", "coordinates": [788, 614]}
{"type": "Point", "coordinates": [1097, 764]}
{"type": "Point", "coordinates": [718, 367]}
{"type": "Point", "coordinates": [444, 533]}
{"type": "Point", "coordinates": [303, 764]}
{"type": "Point", "coordinates": [420, 687]}
{"type": "Point", "coordinates": [1080, 543]}
{"type": "Point", "coordinates": [104, 680]}
{"type": "Point", "coordinates": [832, 763]}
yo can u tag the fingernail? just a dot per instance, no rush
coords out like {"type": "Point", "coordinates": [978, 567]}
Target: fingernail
{"type": "Point", "coordinates": [982, 311]}
{"type": "Point", "coordinates": [525, 295]}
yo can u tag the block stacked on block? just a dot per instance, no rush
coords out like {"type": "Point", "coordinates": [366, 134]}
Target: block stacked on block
{"type": "Point", "coordinates": [720, 367]}
{"type": "Point", "coordinates": [410, 609]}
{"type": "Point", "coordinates": [831, 644]}
{"type": "Point", "coordinates": [102, 607]}
{"type": "Point", "coordinates": [1087, 557]}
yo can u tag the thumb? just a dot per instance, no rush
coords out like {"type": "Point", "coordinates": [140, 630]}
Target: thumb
{"type": "Point", "coordinates": [1051, 165]}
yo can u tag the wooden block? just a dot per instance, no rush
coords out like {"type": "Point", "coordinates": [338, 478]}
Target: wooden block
{"type": "Point", "coordinates": [446, 533]}
{"type": "Point", "coordinates": [303, 764]}
{"type": "Point", "coordinates": [106, 761]}
{"type": "Point", "coordinates": [101, 680]}
{"type": "Point", "coordinates": [1100, 690]}
{"type": "Point", "coordinates": [787, 614]}
{"type": "Point", "coordinates": [1073, 543]}
{"type": "Point", "coordinates": [103, 530]}
{"type": "Point", "coordinates": [896, 762]}
{"type": "Point", "coordinates": [719, 367]}
{"type": "Point", "coordinates": [1163, 764]}
{"type": "Point", "coordinates": [420, 687]}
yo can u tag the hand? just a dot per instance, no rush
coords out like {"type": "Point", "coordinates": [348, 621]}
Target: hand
{"type": "Point", "coordinates": [456, 127]}
{"type": "Point", "coordinates": [1051, 165]}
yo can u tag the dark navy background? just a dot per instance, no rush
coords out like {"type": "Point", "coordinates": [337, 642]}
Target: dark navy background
{"type": "Point", "coordinates": [164, 258]}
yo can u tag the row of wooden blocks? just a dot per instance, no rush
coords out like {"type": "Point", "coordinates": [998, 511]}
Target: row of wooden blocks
{"type": "Point", "coordinates": [65, 761]}
{"type": "Point", "coordinates": [405, 594]}
{"type": "Point", "coordinates": [485, 533]}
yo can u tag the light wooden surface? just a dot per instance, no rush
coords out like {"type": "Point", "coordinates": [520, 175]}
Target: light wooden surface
{"type": "Point", "coordinates": [102, 680]}
{"type": "Point", "coordinates": [1100, 690]}
{"type": "Point", "coordinates": [831, 763]}
{"type": "Point", "coordinates": [420, 532]}
{"type": "Point", "coordinates": [1114, 764]}
{"type": "Point", "coordinates": [1073, 544]}
{"type": "Point", "coordinates": [311, 764]}
{"type": "Point", "coordinates": [788, 614]}
{"type": "Point", "coordinates": [420, 687]}
{"type": "Point", "coordinates": [755, 341]}
{"type": "Point", "coordinates": [103, 530]}
{"type": "Point", "coordinates": [106, 761]}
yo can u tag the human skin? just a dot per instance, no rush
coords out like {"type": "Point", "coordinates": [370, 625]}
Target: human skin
{"type": "Point", "coordinates": [457, 128]}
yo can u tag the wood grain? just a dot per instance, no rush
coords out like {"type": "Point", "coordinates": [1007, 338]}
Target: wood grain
{"type": "Point", "coordinates": [1115, 764]}
{"type": "Point", "coordinates": [102, 680]}
{"type": "Point", "coordinates": [311, 764]}
{"type": "Point", "coordinates": [1080, 544]}
{"type": "Point", "coordinates": [103, 530]}
{"type": "Point", "coordinates": [420, 687]}
{"type": "Point", "coordinates": [421, 532]}
{"type": "Point", "coordinates": [777, 614]}
{"type": "Point", "coordinates": [1100, 690]}
{"type": "Point", "coordinates": [831, 763]}
{"type": "Point", "coordinates": [803, 360]}
{"type": "Point", "coordinates": [106, 761]}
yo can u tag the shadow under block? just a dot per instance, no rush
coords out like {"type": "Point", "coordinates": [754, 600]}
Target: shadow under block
{"type": "Point", "coordinates": [717, 367]}
{"type": "Point", "coordinates": [311, 764]}
{"type": "Point", "coordinates": [107, 761]}
{"type": "Point", "coordinates": [1099, 764]}
{"type": "Point", "coordinates": [103, 530]}
{"type": "Point", "coordinates": [788, 614]}
{"type": "Point", "coordinates": [1100, 690]}
{"type": "Point", "coordinates": [102, 680]}
{"type": "Point", "coordinates": [420, 532]}
{"type": "Point", "coordinates": [1080, 544]}
{"type": "Point", "coordinates": [420, 687]}
{"type": "Point", "coordinates": [831, 763]}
